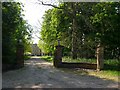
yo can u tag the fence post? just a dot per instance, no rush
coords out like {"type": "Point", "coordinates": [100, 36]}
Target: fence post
{"type": "Point", "coordinates": [58, 56]}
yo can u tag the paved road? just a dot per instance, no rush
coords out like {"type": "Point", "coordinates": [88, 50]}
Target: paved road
{"type": "Point", "coordinates": [41, 74]}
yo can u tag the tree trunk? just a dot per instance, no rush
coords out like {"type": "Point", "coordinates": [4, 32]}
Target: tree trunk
{"type": "Point", "coordinates": [74, 33]}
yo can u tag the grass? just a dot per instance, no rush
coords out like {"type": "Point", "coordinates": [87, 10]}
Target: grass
{"type": "Point", "coordinates": [110, 71]}
{"type": "Point", "coordinates": [47, 58]}
{"type": "Point", "coordinates": [106, 74]}
{"type": "Point", "coordinates": [69, 59]}
{"type": "Point", "coordinates": [26, 57]}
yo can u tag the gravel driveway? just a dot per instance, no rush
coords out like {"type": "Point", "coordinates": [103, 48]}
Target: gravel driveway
{"type": "Point", "coordinates": [38, 73]}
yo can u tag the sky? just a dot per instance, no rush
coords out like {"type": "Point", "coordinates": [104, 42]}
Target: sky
{"type": "Point", "coordinates": [33, 14]}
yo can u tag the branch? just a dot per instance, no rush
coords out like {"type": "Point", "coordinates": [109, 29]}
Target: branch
{"type": "Point", "coordinates": [49, 5]}
{"type": "Point", "coordinates": [38, 37]}
{"type": "Point", "coordinates": [55, 7]}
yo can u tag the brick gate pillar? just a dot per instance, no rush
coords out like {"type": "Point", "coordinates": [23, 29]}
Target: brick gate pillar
{"type": "Point", "coordinates": [58, 56]}
{"type": "Point", "coordinates": [20, 55]}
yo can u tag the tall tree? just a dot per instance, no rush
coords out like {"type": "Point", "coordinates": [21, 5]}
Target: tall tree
{"type": "Point", "coordinates": [106, 21]}
{"type": "Point", "coordinates": [14, 27]}
{"type": "Point", "coordinates": [82, 26]}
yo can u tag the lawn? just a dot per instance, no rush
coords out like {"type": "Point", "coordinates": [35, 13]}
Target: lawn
{"type": "Point", "coordinates": [47, 58]}
{"type": "Point", "coordinates": [110, 71]}
{"type": "Point", "coordinates": [26, 57]}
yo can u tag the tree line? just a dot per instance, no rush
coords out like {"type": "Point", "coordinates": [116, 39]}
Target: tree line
{"type": "Point", "coordinates": [14, 29]}
{"type": "Point", "coordinates": [81, 27]}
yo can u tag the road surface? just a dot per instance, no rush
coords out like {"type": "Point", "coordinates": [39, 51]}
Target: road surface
{"type": "Point", "coordinates": [38, 73]}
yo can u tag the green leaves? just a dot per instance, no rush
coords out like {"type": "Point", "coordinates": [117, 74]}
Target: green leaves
{"type": "Point", "coordinates": [14, 27]}
{"type": "Point", "coordinates": [95, 23]}
{"type": "Point", "coordinates": [106, 20]}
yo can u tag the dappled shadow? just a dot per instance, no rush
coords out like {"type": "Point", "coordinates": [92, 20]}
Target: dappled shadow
{"type": "Point", "coordinates": [41, 74]}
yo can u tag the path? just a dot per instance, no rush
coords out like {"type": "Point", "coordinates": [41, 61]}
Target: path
{"type": "Point", "coordinates": [41, 74]}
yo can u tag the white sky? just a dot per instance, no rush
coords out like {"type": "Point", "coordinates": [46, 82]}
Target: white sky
{"type": "Point", "coordinates": [34, 12]}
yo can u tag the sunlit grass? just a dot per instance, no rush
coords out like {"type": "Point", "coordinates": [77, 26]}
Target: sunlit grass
{"type": "Point", "coordinates": [69, 59]}
{"type": "Point", "coordinates": [47, 58]}
{"type": "Point", "coordinates": [107, 74]}
{"type": "Point", "coordinates": [26, 57]}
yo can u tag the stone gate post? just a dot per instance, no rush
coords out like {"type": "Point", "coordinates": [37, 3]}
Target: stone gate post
{"type": "Point", "coordinates": [58, 56]}
{"type": "Point", "coordinates": [100, 58]}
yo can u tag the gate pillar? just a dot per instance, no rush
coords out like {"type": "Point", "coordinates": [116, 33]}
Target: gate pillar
{"type": "Point", "coordinates": [58, 56]}
{"type": "Point", "coordinates": [20, 55]}
{"type": "Point", "coordinates": [100, 58]}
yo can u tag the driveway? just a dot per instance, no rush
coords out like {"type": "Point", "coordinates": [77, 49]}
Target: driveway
{"type": "Point", "coordinates": [38, 73]}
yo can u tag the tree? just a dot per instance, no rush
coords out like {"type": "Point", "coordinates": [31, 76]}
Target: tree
{"type": "Point", "coordinates": [82, 26]}
{"type": "Point", "coordinates": [106, 21]}
{"type": "Point", "coordinates": [14, 27]}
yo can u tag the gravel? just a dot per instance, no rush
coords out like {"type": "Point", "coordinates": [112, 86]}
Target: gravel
{"type": "Point", "coordinates": [38, 73]}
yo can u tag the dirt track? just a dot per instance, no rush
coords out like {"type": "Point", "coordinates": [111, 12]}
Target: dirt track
{"type": "Point", "coordinates": [41, 74]}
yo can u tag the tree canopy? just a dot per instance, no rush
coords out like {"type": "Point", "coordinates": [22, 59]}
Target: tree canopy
{"type": "Point", "coordinates": [14, 28]}
{"type": "Point", "coordinates": [82, 26]}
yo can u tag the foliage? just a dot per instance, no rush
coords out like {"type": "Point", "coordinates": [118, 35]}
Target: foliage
{"type": "Point", "coordinates": [106, 21]}
{"type": "Point", "coordinates": [94, 23]}
{"type": "Point", "coordinates": [14, 28]}
{"type": "Point", "coordinates": [26, 57]}
{"type": "Point", "coordinates": [45, 47]}
{"type": "Point", "coordinates": [78, 60]}
{"type": "Point", "coordinates": [47, 58]}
